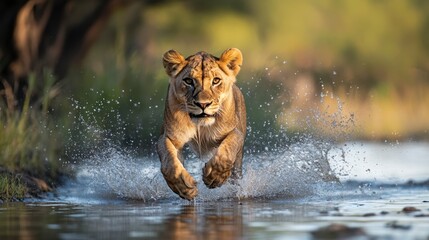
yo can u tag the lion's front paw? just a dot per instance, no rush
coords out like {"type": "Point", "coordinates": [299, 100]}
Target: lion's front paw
{"type": "Point", "coordinates": [182, 183]}
{"type": "Point", "coordinates": [215, 173]}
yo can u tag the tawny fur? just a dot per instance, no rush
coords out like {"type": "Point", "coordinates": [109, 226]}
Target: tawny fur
{"type": "Point", "coordinates": [206, 110]}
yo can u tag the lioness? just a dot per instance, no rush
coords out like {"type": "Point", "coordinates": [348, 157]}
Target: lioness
{"type": "Point", "coordinates": [205, 109]}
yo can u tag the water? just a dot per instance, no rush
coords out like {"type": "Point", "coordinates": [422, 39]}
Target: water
{"type": "Point", "coordinates": [281, 196]}
{"type": "Point", "coordinates": [289, 173]}
{"type": "Point", "coordinates": [291, 187]}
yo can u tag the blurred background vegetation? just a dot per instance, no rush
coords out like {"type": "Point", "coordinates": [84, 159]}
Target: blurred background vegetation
{"type": "Point", "coordinates": [299, 57]}
{"type": "Point", "coordinates": [344, 70]}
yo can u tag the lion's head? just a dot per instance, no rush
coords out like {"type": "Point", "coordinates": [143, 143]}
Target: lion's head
{"type": "Point", "coordinates": [201, 82]}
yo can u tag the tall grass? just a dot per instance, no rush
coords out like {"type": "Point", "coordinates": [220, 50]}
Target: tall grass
{"type": "Point", "coordinates": [11, 187]}
{"type": "Point", "coordinates": [27, 142]}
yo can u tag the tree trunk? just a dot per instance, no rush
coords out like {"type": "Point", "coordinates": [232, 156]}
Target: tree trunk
{"type": "Point", "coordinates": [40, 35]}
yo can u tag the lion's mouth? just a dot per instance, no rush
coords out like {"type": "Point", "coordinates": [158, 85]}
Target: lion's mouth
{"type": "Point", "coordinates": [202, 115]}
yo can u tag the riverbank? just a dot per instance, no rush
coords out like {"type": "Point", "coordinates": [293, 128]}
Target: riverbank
{"type": "Point", "coordinates": [30, 148]}
{"type": "Point", "coordinates": [20, 186]}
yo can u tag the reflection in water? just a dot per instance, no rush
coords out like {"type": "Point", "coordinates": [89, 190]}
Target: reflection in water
{"type": "Point", "coordinates": [19, 223]}
{"type": "Point", "coordinates": [201, 222]}
{"type": "Point", "coordinates": [249, 219]}
{"type": "Point", "coordinates": [121, 221]}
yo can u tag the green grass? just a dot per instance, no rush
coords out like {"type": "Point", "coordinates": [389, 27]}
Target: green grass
{"type": "Point", "coordinates": [28, 145]}
{"type": "Point", "coordinates": [11, 187]}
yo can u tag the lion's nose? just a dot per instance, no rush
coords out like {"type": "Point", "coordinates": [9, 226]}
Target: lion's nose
{"type": "Point", "coordinates": [203, 105]}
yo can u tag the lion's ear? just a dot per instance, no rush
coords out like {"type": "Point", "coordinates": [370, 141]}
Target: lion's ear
{"type": "Point", "coordinates": [233, 59]}
{"type": "Point", "coordinates": [173, 62]}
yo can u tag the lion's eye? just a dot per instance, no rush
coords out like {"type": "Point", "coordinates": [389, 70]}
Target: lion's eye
{"type": "Point", "coordinates": [216, 81]}
{"type": "Point", "coordinates": [189, 81]}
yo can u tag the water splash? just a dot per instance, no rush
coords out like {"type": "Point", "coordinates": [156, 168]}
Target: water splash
{"type": "Point", "coordinates": [276, 163]}
{"type": "Point", "coordinates": [292, 172]}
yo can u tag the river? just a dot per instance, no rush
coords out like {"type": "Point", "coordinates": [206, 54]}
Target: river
{"type": "Point", "coordinates": [283, 195]}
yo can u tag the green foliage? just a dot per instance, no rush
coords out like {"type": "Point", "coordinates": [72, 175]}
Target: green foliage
{"type": "Point", "coordinates": [373, 47]}
{"type": "Point", "coordinates": [368, 41]}
{"type": "Point", "coordinates": [11, 187]}
{"type": "Point", "coordinates": [28, 143]}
